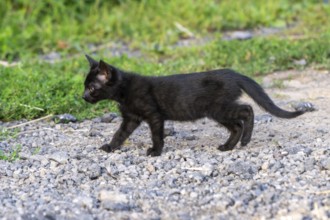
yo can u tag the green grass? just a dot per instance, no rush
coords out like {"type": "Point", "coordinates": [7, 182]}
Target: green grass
{"type": "Point", "coordinates": [11, 156]}
{"type": "Point", "coordinates": [33, 27]}
{"type": "Point", "coordinates": [30, 29]}
{"type": "Point", "coordinates": [6, 134]}
{"type": "Point", "coordinates": [12, 153]}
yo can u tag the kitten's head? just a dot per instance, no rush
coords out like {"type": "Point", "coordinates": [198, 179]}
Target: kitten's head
{"type": "Point", "coordinates": [101, 82]}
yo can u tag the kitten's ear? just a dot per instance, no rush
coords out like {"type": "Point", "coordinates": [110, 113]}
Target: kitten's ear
{"type": "Point", "coordinates": [105, 72]}
{"type": "Point", "coordinates": [92, 63]}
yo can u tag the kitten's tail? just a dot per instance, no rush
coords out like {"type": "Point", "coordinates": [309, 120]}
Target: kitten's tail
{"type": "Point", "coordinates": [257, 93]}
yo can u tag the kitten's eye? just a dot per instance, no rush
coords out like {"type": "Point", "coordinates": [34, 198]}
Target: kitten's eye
{"type": "Point", "coordinates": [91, 89]}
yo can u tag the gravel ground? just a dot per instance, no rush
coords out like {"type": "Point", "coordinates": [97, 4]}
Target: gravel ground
{"type": "Point", "coordinates": [284, 173]}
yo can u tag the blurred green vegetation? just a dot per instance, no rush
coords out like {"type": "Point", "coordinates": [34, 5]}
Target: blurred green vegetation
{"type": "Point", "coordinates": [31, 29]}
{"type": "Point", "coordinates": [12, 152]}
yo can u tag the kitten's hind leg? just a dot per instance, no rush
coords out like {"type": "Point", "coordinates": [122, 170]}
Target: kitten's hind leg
{"type": "Point", "coordinates": [236, 128]}
{"type": "Point", "coordinates": [233, 119]}
{"type": "Point", "coordinates": [247, 116]}
{"type": "Point", "coordinates": [126, 128]}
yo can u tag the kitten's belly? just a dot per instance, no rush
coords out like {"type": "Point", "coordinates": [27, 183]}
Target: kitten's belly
{"type": "Point", "coordinates": [183, 115]}
{"type": "Point", "coordinates": [184, 118]}
{"type": "Point", "coordinates": [183, 107]}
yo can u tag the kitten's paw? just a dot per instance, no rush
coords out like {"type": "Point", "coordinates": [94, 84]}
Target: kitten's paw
{"type": "Point", "coordinates": [152, 152]}
{"type": "Point", "coordinates": [244, 142]}
{"type": "Point", "coordinates": [246, 138]}
{"type": "Point", "coordinates": [225, 147]}
{"type": "Point", "coordinates": [108, 148]}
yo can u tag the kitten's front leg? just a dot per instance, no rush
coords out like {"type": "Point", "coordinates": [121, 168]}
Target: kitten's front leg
{"type": "Point", "coordinates": [156, 124]}
{"type": "Point", "coordinates": [126, 129]}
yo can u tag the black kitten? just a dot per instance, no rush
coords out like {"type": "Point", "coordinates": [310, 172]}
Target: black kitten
{"type": "Point", "coordinates": [182, 97]}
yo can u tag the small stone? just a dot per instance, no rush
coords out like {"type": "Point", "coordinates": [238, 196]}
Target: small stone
{"type": "Point", "coordinates": [117, 120]}
{"type": "Point", "coordinates": [114, 201]}
{"type": "Point", "coordinates": [196, 176]}
{"type": "Point", "coordinates": [301, 62]}
{"type": "Point", "coordinates": [9, 173]}
{"type": "Point", "coordinates": [322, 131]}
{"type": "Point", "coordinates": [64, 118]}
{"type": "Point", "coordinates": [112, 170]}
{"type": "Point", "coordinates": [169, 131]}
{"type": "Point", "coordinates": [193, 195]}
{"type": "Point", "coordinates": [224, 204]}
{"type": "Point", "coordinates": [244, 169]}
{"type": "Point", "coordinates": [60, 157]}
{"type": "Point", "coordinates": [53, 165]}
{"type": "Point", "coordinates": [207, 169]}
{"type": "Point", "coordinates": [44, 162]}
{"type": "Point", "coordinates": [190, 137]}
{"type": "Point", "coordinates": [17, 174]}
{"type": "Point", "coordinates": [172, 182]}
{"type": "Point", "coordinates": [294, 149]}
{"type": "Point", "coordinates": [265, 165]}
{"type": "Point", "coordinates": [308, 151]}
{"type": "Point", "coordinates": [263, 119]}
{"type": "Point", "coordinates": [94, 171]}
{"type": "Point", "coordinates": [174, 196]}
{"type": "Point", "coordinates": [325, 164]}
{"type": "Point", "coordinates": [205, 200]}
{"type": "Point", "coordinates": [304, 106]}
{"type": "Point", "coordinates": [109, 117]}
{"type": "Point", "coordinates": [96, 120]}
{"type": "Point", "coordinates": [94, 133]}
{"type": "Point", "coordinates": [112, 196]}
{"type": "Point", "coordinates": [276, 166]}
{"type": "Point", "coordinates": [309, 164]}
{"type": "Point", "coordinates": [150, 168]}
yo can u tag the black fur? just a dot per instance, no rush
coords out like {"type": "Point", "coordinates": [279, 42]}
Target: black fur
{"type": "Point", "coordinates": [182, 97]}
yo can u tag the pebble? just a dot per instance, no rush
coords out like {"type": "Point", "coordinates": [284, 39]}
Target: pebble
{"type": "Point", "coordinates": [301, 62]}
{"type": "Point", "coordinates": [207, 169]}
{"type": "Point", "coordinates": [94, 171]}
{"type": "Point", "coordinates": [114, 201]}
{"type": "Point", "coordinates": [169, 131]}
{"type": "Point", "coordinates": [65, 118]}
{"type": "Point", "coordinates": [243, 169]}
{"type": "Point", "coordinates": [325, 164]}
{"type": "Point", "coordinates": [109, 117]}
{"type": "Point", "coordinates": [151, 168]}
{"type": "Point", "coordinates": [94, 132]}
{"type": "Point", "coordinates": [60, 157]}
{"type": "Point", "coordinates": [304, 106]}
{"type": "Point", "coordinates": [276, 166]}
{"type": "Point", "coordinates": [263, 119]}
